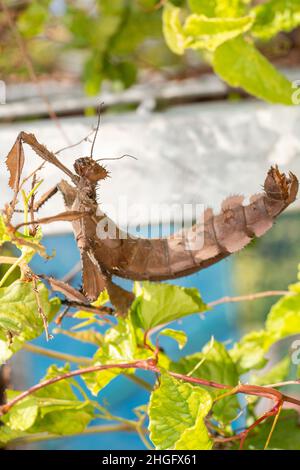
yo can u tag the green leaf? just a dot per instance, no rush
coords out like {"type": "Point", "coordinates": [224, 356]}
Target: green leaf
{"type": "Point", "coordinates": [240, 64]}
{"type": "Point", "coordinates": [200, 31]}
{"type": "Point", "coordinates": [286, 435]}
{"type": "Point", "coordinates": [23, 415]}
{"type": "Point", "coordinates": [278, 373]}
{"type": "Point", "coordinates": [19, 317]}
{"type": "Point", "coordinates": [222, 8]}
{"type": "Point", "coordinates": [283, 320]}
{"type": "Point", "coordinates": [179, 336]}
{"type": "Point", "coordinates": [7, 435]}
{"type": "Point", "coordinates": [214, 364]}
{"type": "Point", "coordinates": [249, 352]}
{"type": "Point", "coordinates": [27, 244]}
{"type": "Point", "coordinates": [124, 73]}
{"type": "Point", "coordinates": [93, 73]}
{"type": "Point", "coordinates": [32, 21]}
{"type": "Point", "coordinates": [176, 412]}
{"type": "Point", "coordinates": [120, 344]}
{"type": "Point", "coordinates": [53, 409]}
{"type": "Point", "coordinates": [208, 33]}
{"type": "Point", "coordinates": [4, 234]}
{"type": "Point", "coordinates": [102, 299]}
{"type": "Point", "coordinates": [284, 317]}
{"type": "Point", "coordinates": [173, 30]}
{"type": "Point", "coordinates": [177, 3]}
{"type": "Point", "coordinates": [275, 16]}
{"type": "Point", "coordinates": [157, 304]}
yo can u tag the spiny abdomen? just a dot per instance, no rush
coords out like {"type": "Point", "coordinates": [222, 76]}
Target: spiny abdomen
{"type": "Point", "coordinates": [208, 241]}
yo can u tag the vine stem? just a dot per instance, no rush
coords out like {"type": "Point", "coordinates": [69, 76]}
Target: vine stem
{"type": "Point", "coordinates": [249, 297]}
{"type": "Point", "coordinates": [227, 299]}
{"type": "Point", "coordinates": [8, 259]}
{"type": "Point", "coordinates": [150, 365]}
{"type": "Point", "coordinates": [273, 426]}
{"type": "Point", "coordinates": [80, 361]}
{"type": "Point", "coordinates": [17, 262]}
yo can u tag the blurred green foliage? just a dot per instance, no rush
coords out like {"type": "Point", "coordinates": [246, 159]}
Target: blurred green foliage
{"type": "Point", "coordinates": [226, 32]}
{"type": "Point", "coordinates": [107, 40]}
{"type": "Point", "coordinates": [266, 264]}
{"type": "Point", "coordinates": [119, 41]}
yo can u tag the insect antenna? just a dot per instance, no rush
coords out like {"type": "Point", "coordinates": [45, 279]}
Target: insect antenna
{"type": "Point", "coordinates": [97, 129]}
{"type": "Point", "coordinates": [117, 158]}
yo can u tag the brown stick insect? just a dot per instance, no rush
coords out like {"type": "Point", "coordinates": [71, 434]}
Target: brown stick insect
{"type": "Point", "coordinates": [158, 259]}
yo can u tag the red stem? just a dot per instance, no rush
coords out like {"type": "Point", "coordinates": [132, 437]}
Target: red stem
{"type": "Point", "coordinates": [150, 365]}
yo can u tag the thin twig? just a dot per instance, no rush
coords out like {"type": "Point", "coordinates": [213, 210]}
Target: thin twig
{"type": "Point", "coordinates": [80, 361]}
{"type": "Point", "coordinates": [242, 298]}
{"type": "Point", "coordinates": [31, 175]}
{"type": "Point", "coordinates": [40, 308]}
{"type": "Point", "coordinates": [273, 426]}
{"type": "Point", "coordinates": [17, 263]}
{"type": "Point", "coordinates": [227, 299]}
{"type": "Point", "coordinates": [8, 259]}
{"type": "Point", "coordinates": [284, 384]}
{"type": "Point", "coordinates": [99, 429]}
{"type": "Point", "coordinates": [57, 355]}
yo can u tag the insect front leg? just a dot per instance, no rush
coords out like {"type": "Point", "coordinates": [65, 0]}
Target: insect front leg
{"type": "Point", "coordinates": [45, 154]}
{"type": "Point", "coordinates": [16, 158]}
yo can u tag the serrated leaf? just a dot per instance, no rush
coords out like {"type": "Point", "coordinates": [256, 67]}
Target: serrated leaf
{"type": "Point", "coordinates": [275, 16]}
{"type": "Point", "coordinates": [215, 364]}
{"type": "Point", "coordinates": [284, 316]}
{"type": "Point", "coordinates": [176, 412]}
{"type": "Point", "coordinates": [157, 304]}
{"type": "Point", "coordinates": [119, 345]}
{"type": "Point", "coordinates": [178, 335]}
{"type": "Point", "coordinates": [19, 315]}
{"type": "Point", "coordinates": [209, 33]}
{"type": "Point", "coordinates": [53, 409]}
{"type": "Point", "coordinates": [240, 64]}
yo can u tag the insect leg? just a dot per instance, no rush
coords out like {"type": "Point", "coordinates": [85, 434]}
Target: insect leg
{"type": "Point", "coordinates": [45, 154]}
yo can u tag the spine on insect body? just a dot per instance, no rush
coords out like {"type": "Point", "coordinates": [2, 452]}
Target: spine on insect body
{"type": "Point", "coordinates": [208, 241]}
